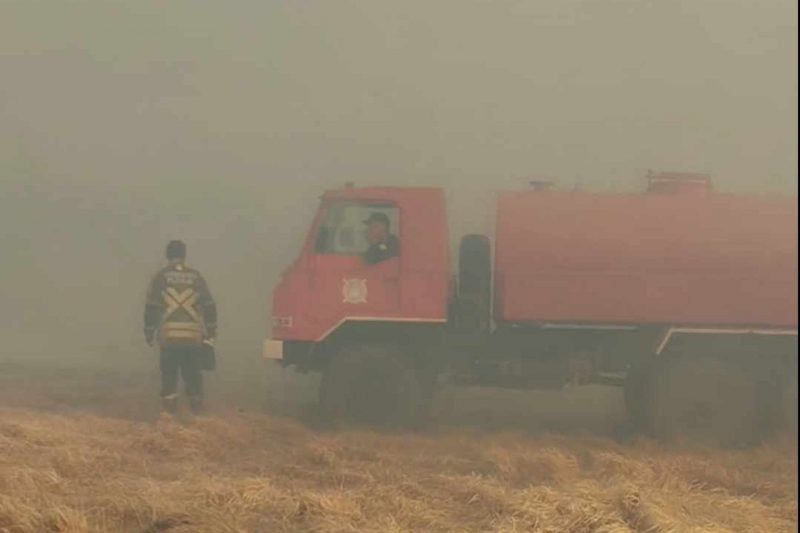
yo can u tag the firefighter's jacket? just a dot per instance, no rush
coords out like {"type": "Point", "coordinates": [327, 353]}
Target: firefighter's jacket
{"type": "Point", "coordinates": [179, 307]}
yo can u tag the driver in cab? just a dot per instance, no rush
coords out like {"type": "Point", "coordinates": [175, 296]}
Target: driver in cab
{"type": "Point", "coordinates": [382, 244]}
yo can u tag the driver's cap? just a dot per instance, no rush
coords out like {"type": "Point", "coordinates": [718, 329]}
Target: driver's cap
{"type": "Point", "coordinates": [377, 217]}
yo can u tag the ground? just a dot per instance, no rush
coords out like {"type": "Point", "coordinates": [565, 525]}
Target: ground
{"type": "Point", "coordinates": [82, 448]}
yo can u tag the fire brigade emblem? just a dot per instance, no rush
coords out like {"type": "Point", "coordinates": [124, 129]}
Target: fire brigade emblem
{"type": "Point", "coordinates": [354, 291]}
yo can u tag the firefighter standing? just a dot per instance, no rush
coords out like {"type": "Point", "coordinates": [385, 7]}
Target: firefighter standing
{"type": "Point", "coordinates": [181, 316]}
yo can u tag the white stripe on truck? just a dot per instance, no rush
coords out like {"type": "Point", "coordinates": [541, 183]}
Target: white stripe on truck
{"type": "Point", "coordinates": [379, 319]}
{"type": "Point", "coordinates": [589, 326]}
{"type": "Point", "coordinates": [722, 331]}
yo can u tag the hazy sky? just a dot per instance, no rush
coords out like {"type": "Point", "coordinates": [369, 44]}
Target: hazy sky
{"type": "Point", "coordinates": [123, 124]}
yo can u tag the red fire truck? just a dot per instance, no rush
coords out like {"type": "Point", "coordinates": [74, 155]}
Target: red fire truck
{"type": "Point", "coordinates": [684, 297]}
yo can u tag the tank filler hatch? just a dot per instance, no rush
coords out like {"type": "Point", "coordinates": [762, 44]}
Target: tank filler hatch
{"type": "Point", "coordinates": [678, 183]}
{"type": "Point", "coordinates": [541, 185]}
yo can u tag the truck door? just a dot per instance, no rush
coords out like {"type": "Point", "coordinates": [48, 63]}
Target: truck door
{"type": "Point", "coordinates": [343, 284]}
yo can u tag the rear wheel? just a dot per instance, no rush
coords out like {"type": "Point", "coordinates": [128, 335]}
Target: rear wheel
{"type": "Point", "coordinates": [638, 395]}
{"type": "Point", "coordinates": [771, 390]}
{"type": "Point", "coordinates": [705, 399]}
{"type": "Point", "coordinates": [790, 406]}
{"type": "Point", "coordinates": [779, 400]}
{"type": "Point", "coordinates": [368, 385]}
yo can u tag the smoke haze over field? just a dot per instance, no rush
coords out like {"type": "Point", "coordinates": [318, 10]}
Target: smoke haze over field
{"type": "Point", "coordinates": [123, 125]}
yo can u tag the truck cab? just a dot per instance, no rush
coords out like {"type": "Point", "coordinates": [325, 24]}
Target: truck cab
{"type": "Point", "coordinates": [330, 286]}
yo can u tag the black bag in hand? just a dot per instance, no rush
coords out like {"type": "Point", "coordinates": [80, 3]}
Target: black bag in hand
{"type": "Point", "coordinates": [208, 357]}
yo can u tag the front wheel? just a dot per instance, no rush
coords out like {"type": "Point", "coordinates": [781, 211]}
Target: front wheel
{"type": "Point", "coordinates": [437, 400]}
{"type": "Point", "coordinates": [368, 385]}
{"type": "Point", "coordinates": [705, 399]}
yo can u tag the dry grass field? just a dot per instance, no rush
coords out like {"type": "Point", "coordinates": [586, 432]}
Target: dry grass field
{"type": "Point", "coordinates": [85, 450]}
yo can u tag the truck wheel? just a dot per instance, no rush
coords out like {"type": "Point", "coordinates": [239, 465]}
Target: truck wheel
{"type": "Point", "coordinates": [637, 393]}
{"type": "Point", "coordinates": [772, 389]}
{"type": "Point", "coordinates": [368, 384]}
{"type": "Point", "coordinates": [474, 283]}
{"type": "Point", "coordinates": [790, 405]}
{"type": "Point", "coordinates": [785, 413]}
{"type": "Point", "coordinates": [438, 400]}
{"type": "Point", "coordinates": [706, 400]}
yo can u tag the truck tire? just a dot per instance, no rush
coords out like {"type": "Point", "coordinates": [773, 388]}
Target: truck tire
{"type": "Point", "coordinates": [782, 400]}
{"type": "Point", "coordinates": [368, 385]}
{"type": "Point", "coordinates": [638, 395]}
{"type": "Point", "coordinates": [771, 390]}
{"type": "Point", "coordinates": [438, 401]}
{"type": "Point", "coordinates": [705, 399]}
{"type": "Point", "coordinates": [790, 405]}
{"type": "Point", "coordinates": [474, 283]}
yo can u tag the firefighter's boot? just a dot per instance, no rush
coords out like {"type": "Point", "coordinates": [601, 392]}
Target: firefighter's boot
{"type": "Point", "coordinates": [170, 403]}
{"type": "Point", "coordinates": [196, 405]}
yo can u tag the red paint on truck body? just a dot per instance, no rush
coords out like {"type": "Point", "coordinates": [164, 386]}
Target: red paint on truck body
{"type": "Point", "coordinates": [695, 259]}
{"type": "Point", "coordinates": [410, 288]}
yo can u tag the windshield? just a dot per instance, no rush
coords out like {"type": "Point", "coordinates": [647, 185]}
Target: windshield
{"type": "Point", "coordinates": [342, 231]}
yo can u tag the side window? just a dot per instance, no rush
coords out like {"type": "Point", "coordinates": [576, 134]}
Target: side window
{"type": "Point", "coordinates": [343, 231]}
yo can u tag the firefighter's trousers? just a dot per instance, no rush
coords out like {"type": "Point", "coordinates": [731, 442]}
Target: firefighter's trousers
{"type": "Point", "coordinates": [183, 360]}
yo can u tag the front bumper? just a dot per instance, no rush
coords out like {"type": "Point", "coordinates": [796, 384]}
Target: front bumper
{"type": "Point", "coordinates": [273, 350]}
